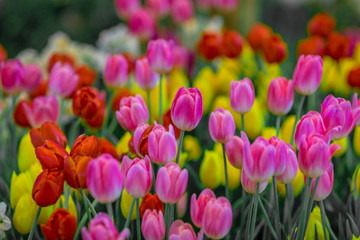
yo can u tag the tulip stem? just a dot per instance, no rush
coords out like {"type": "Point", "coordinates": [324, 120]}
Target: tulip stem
{"type": "Point", "coordinates": [226, 173]}
{"type": "Point", "coordinates": [278, 121]}
{"type": "Point", "coordinates": [253, 218]}
{"type": "Point", "coordinates": [149, 105]}
{"type": "Point", "coordinates": [180, 146]}
{"type": "Point", "coordinates": [109, 209]}
{"type": "Point", "coordinates": [138, 220]}
{"type": "Point", "coordinates": [67, 195]}
{"type": "Point", "coordinates": [322, 208]}
{"type": "Point", "coordinates": [267, 219]}
{"type": "Point", "coordinates": [160, 100]}
{"type": "Point", "coordinates": [87, 209]}
{"type": "Point", "coordinates": [296, 118]}
{"type": "Point", "coordinates": [83, 220]}
{"type": "Point", "coordinates": [242, 123]}
{"type": "Point", "coordinates": [127, 223]}
{"type": "Point", "coordinates": [248, 221]}
{"type": "Point", "coordinates": [311, 201]}
{"type": "Point", "coordinates": [74, 130]}
{"type": "Point", "coordinates": [277, 222]}
{"type": "Point", "coordinates": [303, 213]}
{"type": "Point", "coordinates": [34, 224]}
{"type": "Point", "coordinates": [323, 218]}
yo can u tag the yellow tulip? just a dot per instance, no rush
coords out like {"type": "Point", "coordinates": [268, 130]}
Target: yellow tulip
{"type": "Point", "coordinates": [357, 140]}
{"type": "Point", "coordinates": [71, 206]}
{"type": "Point", "coordinates": [357, 180]}
{"type": "Point", "coordinates": [35, 171]}
{"type": "Point", "coordinates": [356, 54]}
{"type": "Point", "coordinates": [210, 169]}
{"type": "Point", "coordinates": [122, 146]}
{"type": "Point", "coordinates": [125, 204]}
{"type": "Point", "coordinates": [315, 220]}
{"type": "Point", "coordinates": [207, 75]}
{"type": "Point", "coordinates": [45, 213]}
{"type": "Point", "coordinates": [268, 132]}
{"type": "Point", "coordinates": [343, 143]}
{"type": "Point", "coordinates": [192, 146]}
{"type": "Point", "coordinates": [183, 158]}
{"type": "Point", "coordinates": [207, 92]}
{"type": "Point", "coordinates": [24, 214]}
{"type": "Point", "coordinates": [297, 183]}
{"type": "Point", "coordinates": [225, 77]}
{"type": "Point", "coordinates": [287, 129]}
{"type": "Point", "coordinates": [231, 64]}
{"type": "Point", "coordinates": [26, 153]}
{"type": "Point", "coordinates": [20, 184]}
{"type": "Point", "coordinates": [248, 65]}
{"type": "Point", "coordinates": [177, 79]}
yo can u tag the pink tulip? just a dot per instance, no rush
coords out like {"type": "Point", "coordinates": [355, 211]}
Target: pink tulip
{"type": "Point", "coordinates": [32, 77]}
{"type": "Point", "coordinates": [63, 80]}
{"type": "Point", "coordinates": [325, 184]}
{"type": "Point", "coordinates": [312, 122]}
{"type": "Point", "coordinates": [280, 96]}
{"type": "Point", "coordinates": [181, 57]}
{"type": "Point", "coordinates": [116, 71]}
{"type": "Point", "coordinates": [171, 183]}
{"type": "Point", "coordinates": [125, 7]}
{"type": "Point", "coordinates": [137, 136]}
{"type": "Point", "coordinates": [187, 108]}
{"type": "Point", "coordinates": [144, 76]}
{"type": "Point", "coordinates": [133, 111]}
{"type": "Point", "coordinates": [221, 125]}
{"type": "Point", "coordinates": [182, 10]}
{"type": "Point", "coordinates": [181, 231]}
{"type": "Point", "coordinates": [159, 7]}
{"type": "Point", "coordinates": [217, 218]}
{"type": "Point", "coordinates": [242, 95]}
{"type": "Point", "coordinates": [250, 186]}
{"type": "Point", "coordinates": [338, 116]}
{"type": "Point", "coordinates": [181, 205]}
{"type": "Point", "coordinates": [104, 178]}
{"type": "Point", "coordinates": [160, 55]}
{"type": "Point", "coordinates": [142, 24]}
{"type": "Point", "coordinates": [43, 109]}
{"type": "Point", "coordinates": [235, 150]}
{"type": "Point", "coordinates": [197, 206]}
{"type": "Point", "coordinates": [152, 225]}
{"type": "Point", "coordinates": [259, 160]}
{"type": "Point", "coordinates": [355, 104]}
{"type": "Point", "coordinates": [280, 156]}
{"type": "Point", "coordinates": [226, 5]}
{"type": "Point", "coordinates": [138, 176]}
{"type": "Point", "coordinates": [101, 227]}
{"type": "Point", "coordinates": [308, 73]}
{"type": "Point", "coordinates": [12, 76]}
{"type": "Point", "coordinates": [205, 4]}
{"type": "Point", "coordinates": [162, 144]}
{"type": "Point", "coordinates": [291, 167]}
{"type": "Point", "coordinates": [315, 154]}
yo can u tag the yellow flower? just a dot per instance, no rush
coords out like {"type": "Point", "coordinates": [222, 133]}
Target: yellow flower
{"type": "Point", "coordinates": [231, 64]}
{"type": "Point", "coordinates": [45, 213]}
{"type": "Point", "coordinates": [355, 238]}
{"type": "Point", "coordinates": [343, 143]}
{"type": "Point", "coordinates": [122, 146]}
{"type": "Point", "coordinates": [26, 153]}
{"type": "Point", "coordinates": [20, 184]}
{"type": "Point", "coordinates": [207, 75]}
{"type": "Point", "coordinates": [71, 206]}
{"type": "Point", "coordinates": [192, 146]}
{"type": "Point", "coordinates": [315, 220]}
{"type": "Point", "coordinates": [24, 214]}
{"type": "Point", "coordinates": [206, 90]}
{"type": "Point", "coordinates": [268, 132]}
{"type": "Point", "coordinates": [210, 169]}
{"type": "Point", "coordinates": [357, 180]}
{"type": "Point", "coordinates": [177, 79]}
{"type": "Point", "coordinates": [225, 77]}
{"type": "Point", "coordinates": [35, 171]}
{"type": "Point", "coordinates": [356, 54]}
{"type": "Point", "coordinates": [357, 140]}
{"type": "Point", "coordinates": [287, 128]}
{"type": "Point", "coordinates": [297, 183]}
{"type": "Point", "coordinates": [125, 204]}
{"type": "Point", "coordinates": [248, 65]}
{"type": "Point", "coordinates": [183, 158]}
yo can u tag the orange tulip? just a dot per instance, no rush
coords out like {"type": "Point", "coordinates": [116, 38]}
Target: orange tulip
{"type": "Point", "coordinates": [75, 170]}
{"type": "Point", "coordinates": [61, 225]}
{"type": "Point", "coordinates": [167, 121]}
{"type": "Point", "coordinates": [60, 57]}
{"type": "Point", "coordinates": [321, 24]}
{"type": "Point", "coordinates": [3, 54]}
{"type": "Point", "coordinates": [338, 46]}
{"type": "Point", "coordinates": [258, 34]}
{"type": "Point", "coordinates": [51, 155]}
{"type": "Point", "coordinates": [41, 90]}
{"type": "Point", "coordinates": [209, 46]}
{"type": "Point", "coordinates": [151, 202]}
{"type": "Point", "coordinates": [105, 146]}
{"type": "Point", "coordinates": [115, 104]}
{"type": "Point", "coordinates": [19, 115]}
{"type": "Point", "coordinates": [48, 131]}
{"type": "Point", "coordinates": [354, 77]}
{"type": "Point", "coordinates": [85, 146]}
{"type": "Point", "coordinates": [87, 76]}
{"type": "Point", "coordinates": [275, 49]}
{"type": "Point", "coordinates": [232, 44]}
{"type": "Point", "coordinates": [314, 45]}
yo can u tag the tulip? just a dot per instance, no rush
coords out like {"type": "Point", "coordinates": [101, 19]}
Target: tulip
{"type": "Point", "coordinates": [314, 45]}
{"type": "Point", "coordinates": [209, 45]}
{"type": "Point", "coordinates": [309, 123]}
{"type": "Point", "coordinates": [307, 74]}
{"type": "Point", "coordinates": [125, 7]}
{"type": "Point", "coordinates": [26, 154]}
{"type": "Point", "coordinates": [87, 76]}
{"type": "Point", "coordinates": [321, 24]}
{"type": "Point", "coordinates": [275, 49]}
{"type": "Point", "coordinates": [242, 95]}
{"type": "Point", "coordinates": [48, 187]}
{"type": "Point", "coordinates": [232, 43]}
{"type": "Point", "coordinates": [221, 125]}
{"type": "Point", "coordinates": [20, 185]}
{"type": "Point", "coordinates": [160, 55]}
{"type": "Point", "coordinates": [105, 146]}
{"type": "Point", "coordinates": [210, 172]}
{"type": "Point", "coordinates": [142, 24]}
{"type": "Point", "coordinates": [140, 139]}
{"type": "Point", "coordinates": [182, 10]}
{"type": "Point", "coordinates": [104, 178]}
{"type": "Point", "coordinates": [19, 115]}
{"type": "Point", "coordinates": [138, 176]}
{"type": "Point", "coordinates": [325, 184]}
{"type": "Point", "coordinates": [62, 58]}
{"type": "Point", "coordinates": [181, 231]}
{"type": "Point", "coordinates": [235, 150]}
{"type": "Point", "coordinates": [217, 218]}
{"type": "Point", "coordinates": [12, 77]}
{"type": "Point", "coordinates": [197, 206]}
{"type": "Point", "coordinates": [336, 113]}
{"type": "Point", "coordinates": [192, 147]}
{"type": "Point", "coordinates": [75, 170]}
{"type": "Point", "coordinates": [32, 77]}
{"type": "Point", "coordinates": [338, 46]}
{"type": "Point", "coordinates": [159, 7]}
{"type": "Point", "coordinates": [280, 96]}
{"type": "Point", "coordinates": [144, 76]}
{"type": "Point", "coordinates": [258, 35]}
{"type": "Point", "coordinates": [63, 80]}
{"type": "Point", "coordinates": [354, 77]}
{"type": "Point", "coordinates": [280, 156]}
{"type": "Point", "coordinates": [48, 131]}
{"type": "Point", "coordinates": [151, 202]}
{"type": "Point", "coordinates": [85, 146]}
{"type": "Point", "coordinates": [250, 186]}
{"type": "Point", "coordinates": [125, 205]}
{"type": "Point", "coordinates": [181, 206]}
{"type": "Point", "coordinates": [51, 155]}
{"type": "Point", "coordinates": [152, 225]}
{"type": "Point", "coordinates": [315, 222]}
{"type": "Point", "coordinates": [162, 145]}
{"type": "Point", "coordinates": [291, 168]}
{"type": "Point", "coordinates": [3, 54]}
{"type": "Point", "coordinates": [43, 109]}
{"type": "Point", "coordinates": [171, 183]}
{"type": "Point", "coordinates": [115, 71]}
{"type": "Point", "coordinates": [132, 112]}
{"type": "Point", "coordinates": [60, 225]}
{"type": "Point", "coordinates": [259, 160]}
{"type": "Point", "coordinates": [187, 108]}
{"type": "Point", "coordinates": [315, 154]}
{"type": "Point", "coordinates": [24, 214]}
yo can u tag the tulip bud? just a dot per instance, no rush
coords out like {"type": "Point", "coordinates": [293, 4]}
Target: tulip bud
{"type": "Point", "coordinates": [162, 145]}
{"type": "Point", "coordinates": [275, 49]}
{"type": "Point", "coordinates": [182, 10]}
{"type": "Point", "coordinates": [209, 46]}
{"type": "Point", "coordinates": [12, 77]}
{"type": "Point", "coordinates": [42, 109]}
{"type": "Point", "coordinates": [197, 206]}
{"type": "Point", "coordinates": [325, 184]}
{"type": "Point", "coordinates": [116, 71]}
{"type": "Point", "coordinates": [160, 55]}
{"type": "Point", "coordinates": [280, 96]}
{"type": "Point", "coordinates": [125, 204]}
{"type": "Point", "coordinates": [221, 125]}
{"type": "Point", "coordinates": [258, 35]}
{"type": "Point", "coordinates": [235, 150]}
{"type": "Point", "coordinates": [309, 123]}
{"type": "Point", "coordinates": [280, 156]}
{"type": "Point", "coordinates": [26, 154]}
{"type": "Point", "coordinates": [144, 76]}
{"type": "Point", "coordinates": [321, 24]}
{"type": "Point", "coordinates": [151, 202]}
{"type": "Point", "coordinates": [314, 45]}
{"type": "Point", "coordinates": [291, 168]}
{"type": "Point", "coordinates": [24, 214]}
{"type": "Point", "coordinates": [152, 225]}
{"type": "Point", "coordinates": [210, 169]}
{"type": "Point", "coordinates": [142, 24]}
{"type": "Point", "coordinates": [51, 155]}
{"type": "Point", "coordinates": [232, 43]}
{"type": "Point", "coordinates": [85, 146]}
{"type": "Point", "coordinates": [250, 186]}
{"type": "Point", "coordinates": [181, 231]}
{"type": "Point", "coordinates": [75, 170]}
{"type": "Point", "coordinates": [19, 115]}
{"type": "Point", "coordinates": [242, 95]}
{"type": "Point", "coordinates": [63, 80]}
{"type": "Point", "coordinates": [60, 225]}
{"type": "Point", "coordinates": [48, 131]}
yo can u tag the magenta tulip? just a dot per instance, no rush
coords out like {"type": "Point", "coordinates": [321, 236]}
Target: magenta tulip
{"type": "Point", "coordinates": [181, 231]}
{"type": "Point", "coordinates": [187, 108]}
{"type": "Point", "coordinates": [43, 109]}
{"type": "Point", "coordinates": [162, 144]}
{"type": "Point", "coordinates": [152, 225]}
{"type": "Point", "coordinates": [235, 150]}
{"type": "Point", "coordinates": [221, 125]}
{"type": "Point", "coordinates": [142, 24]}
{"type": "Point", "coordinates": [197, 206]}
{"type": "Point", "coordinates": [280, 156]}
{"type": "Point", "coordinates": [160, 55]}
{"type": "Point", "coordinates": [242, 95]}
{"type": "Point", "coordinates": [12, 76]}
{"type": "Point", "coordinates": [144, 76]}
{"type": "Point", "coordinates": [159, 7]}
{"type": "Point", "coordinates": [125, 7]}
{"type": "Point", "coordinates": [182, 10]}
{"type": "Point", "coordinates": [32, 77]}
{"type": "Point", "coordinates": [291, 169]}
{"type": "Point", "coordinates": [312, 122]}
{"type": "Point", "coordinates": [63, 80]}
{"type": "Point", "coordinates": [250, 186]}
{"type": "Point", "coordinates": [355, 104]}
{"type": "Point", "coordinates": [280, 96]}
{"type": "Point", "coordinates": [116, 71]}
{"type": "Point", "coordinates": [325, 184]}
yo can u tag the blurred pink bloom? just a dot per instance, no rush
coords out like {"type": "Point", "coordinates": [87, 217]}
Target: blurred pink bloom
{"type": "Point", "coordinates": [171, 183]}
{"type": "Point", "coordinates": [116, 71]}
{"type": "Point", "coordinates": [197, 206]}
{"type": "Point", "coordinates": [250, 186]}
{"type": "Point", "coordinates": [125, 7]}
{"type": "Point", "coordinates": [312, 122]}
{"type": "Point", "coordinates": [12, 76]}
{"type": "Point", "coordinates": [43, 109]}
{"type": "Point", "coordinates": [133, 111]}
{"type": "Point", "coordinates": [205, 4]}
{"type": "Point", "coordinates": [104, 178]}
{"type": "Point", "coordinates": [221, 125]}
{"type": "Point", "coordinates": [63, 80]}
{"type": "Point", "coordinates": [138, 176]}
{"type": "Point", "coordinates": [144, 76]}
{"type": "Point", "coordinates": [32, 77]}
{"type": "Point", "coordinates": [142, 24]}
{"type": "Point", "coordinates": [217, 219]}
{"type": "Point", "coordinates": [159, 7]}
{"type": "Point", "coordinates": [181, 205]}
{"type": "Point", "coordinates": [162, 144]}
{"type": "Point", "coordinates": [182, 10]}
{"type": "Point", "coordinates": [181, 231]}
{"type": "Point", "coordinates": [235, 150]}
{"type": "Point", "coordinates": [242, 95]}
{"type": "Point", "coordinates": [152, 225]}
{"type": "Point", "coordinates": [160, 55]}
{"type": "Point", "coordinates": [325, 184]}
{"type": "Point", "coordinates": [280, 156]}
{"type": "Point", "coordinates": [226, 5]}
{"type": "Point", "coordinates": [187, 108]}
{"type": "Point", "coordinates": [181, 57]}
{"type": "Point", "coordinates": [280, 96]}
{"type": "Point", "coordinates": [291, 167]}
{"type": "Point", "coordinates": [355, 104]}
{"type": "Point", "coordinates": [307, 74]}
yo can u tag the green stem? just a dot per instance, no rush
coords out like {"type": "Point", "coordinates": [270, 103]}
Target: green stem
{"type": "Point", "coordinates": [243, 196]}
{"type": "Point", "coordinates": [166, 217]}
{"type": "Point", "coordinates": [288, 187]}
{"type": "Point", "coordinates": [34, 224]}
{"type": "Point", "coordinates": [247, 230]}
{"type": "Point", "coordinates": [297, 117]}
{"type": "Point", "coordinates": [67, 196]}
{"type": "Point", "coordinates": [109, 209]}
{"type": "Point", "coordinates": [138, 220]}
{"type": "Point", "coordinates": [277, 215]}
{"type": "Point", "coordinates": [127, 223]}
{"type": "Point", "coordinates": [149, 105]}
{"type": "Point", "coordinates": [253, 219]}
{"type": "Point", "coordinates": [242, 123]}
{"type": "Point", "coordinates": [160, 101]}
{"type": "Point", "coordinates": [226, 173]}
{"type": "Point", "coordinates": [323, 218]}
{"type": "Point", "coordinates": [267, 219]}
{"type": "Point", "coordinates": [311, 201]}
{"type": "Point", "coordinates": [180, 146]}
{"type": "Point", "coordinates": [303, 213]}
{"type": "Point", "coordinates": [92, 209]}
{"type": "Point", "coordinates": [278, 121]}
{"type": "Point", "coordinates": [87, 209]}
{"type": "Point", "coordinates": [74, 130]}
{"type": "Point", "coordinates": [83, 221]}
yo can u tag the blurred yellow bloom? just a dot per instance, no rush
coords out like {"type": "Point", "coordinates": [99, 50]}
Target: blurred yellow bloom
{"type": "Point", "coordinates": [207, 75]}
{"type": "Point", "coordinates": [286, 128]}
{"type": "Point", "coordinates": [20, 184]}
{"type": "Point", "coordinates": [248, 65]}
{"type": "Point", "coordinates": [268, 132]}
{"type": "Point", "coordinates": [45, 213]}
{"type": "Point", "coordinates": [24, 214]}
{"type": "Point", "coordinates": [125, 204]}
{"type": "Point", "coordinates": [343, 143]}
{"type": "Point", "coordinates": [177, 79]}
{"type": "Point", "coordinates": [357, 140]}
{"type": "Point", "coordinates": [183, 158]}
{"type": "Point", "coordinates": [210, 169]}
{"type": "Point", "coordinates": [356, 54]}
{"type": "Point", "coordinates": [206, 90]}
{"type": "Point", "coordinates": [315, 219]}
{"type": "Point", "coordinates": [297, 183]}
{"type": "Point", "coordinates": [357, 180]}
{"type": "Point", "coordinates": [231, 64]}
{"type": "Point", "coordinates": [26, 153]}
{"type": "Point", "coordinates": [122, 146]}
{"type": "Point", "coordinates": [355, 238]}
{"type": "Point", "coordinates": [192, 146]}
{"type": "Point", "coordinates": [225, 77]}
